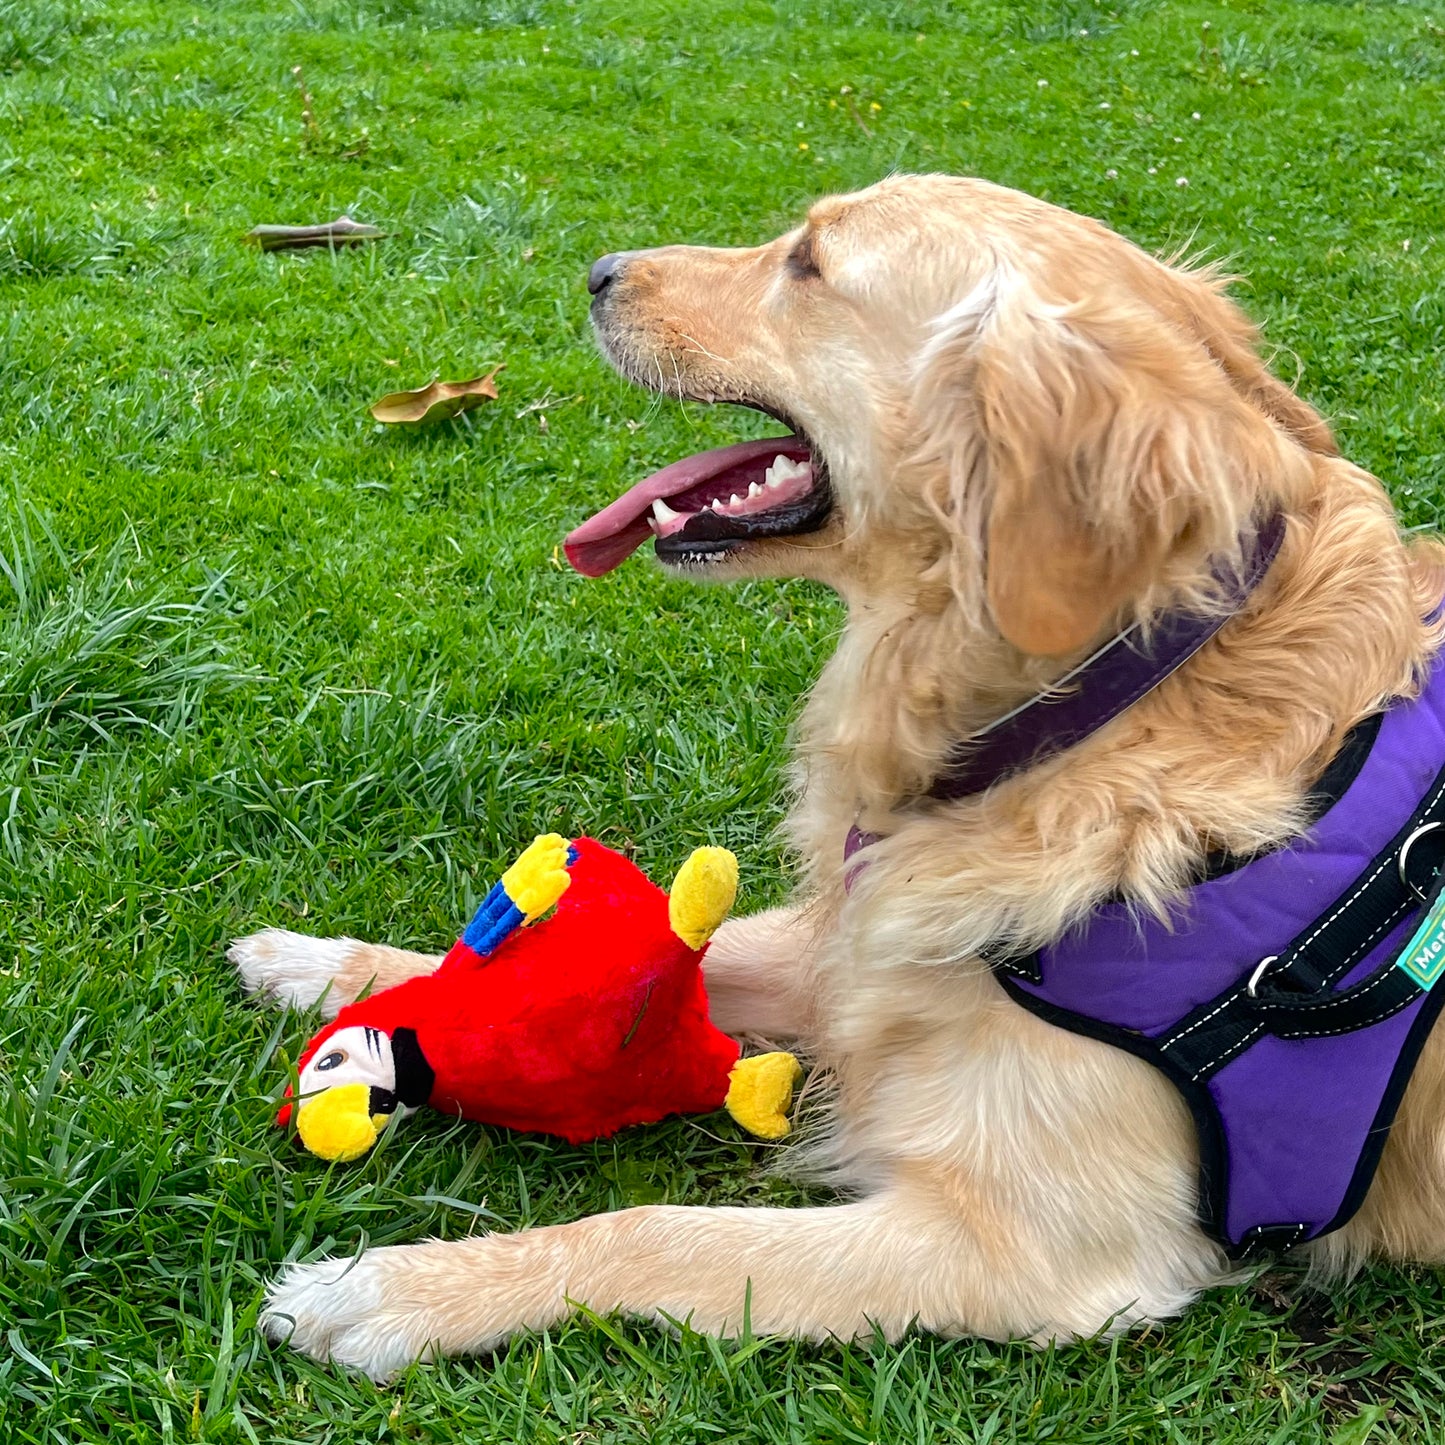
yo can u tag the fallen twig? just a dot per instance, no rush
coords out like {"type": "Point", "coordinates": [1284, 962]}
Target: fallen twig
{"type": "Point", "coordinates": [343, 231]}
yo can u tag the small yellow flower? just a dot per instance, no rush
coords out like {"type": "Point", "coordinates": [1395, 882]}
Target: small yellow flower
{"type": "Point", "coordinates": [802, 145]}
{"type": "Point", "coordinates": [874, 107]}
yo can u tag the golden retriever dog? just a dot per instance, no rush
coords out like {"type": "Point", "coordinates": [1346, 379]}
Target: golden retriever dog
{"type": "Point", "coordinates": [1015, 433]}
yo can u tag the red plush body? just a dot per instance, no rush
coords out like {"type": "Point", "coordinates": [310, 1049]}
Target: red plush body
{"type": "Point", "coordinates": [590, 1020]}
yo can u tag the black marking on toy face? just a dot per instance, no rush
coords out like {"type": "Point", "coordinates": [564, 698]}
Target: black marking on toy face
{"type": "Point", "coordinates": [373, 1041]}
{"type": "Point", "coordinates": [414, 1076]}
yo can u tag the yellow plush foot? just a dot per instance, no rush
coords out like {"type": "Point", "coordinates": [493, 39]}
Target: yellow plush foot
{"type": "Point", "coordinates": [539, 877]}
{"type": "Point", "coordinates": [760, 1093]}
{"type": "Point", "coordinates": [701, 894]}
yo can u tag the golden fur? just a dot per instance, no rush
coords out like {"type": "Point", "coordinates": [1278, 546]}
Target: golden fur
{"type": "Point", "coordinates": [1035, 434]}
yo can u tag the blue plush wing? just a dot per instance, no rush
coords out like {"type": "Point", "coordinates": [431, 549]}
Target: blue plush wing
{"type": "Point", "coordinates": [534, 878]}
{"type": "Point", "coordinates": [495, 921]}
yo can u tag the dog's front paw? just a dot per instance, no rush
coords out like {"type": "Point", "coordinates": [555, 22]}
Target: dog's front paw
{"type": "Point", "coordinates": [293, 970]}
{"type": "Point", "coordinates": [337, 1309]}
{"type": "Point", "coordinates": [387, 1307]}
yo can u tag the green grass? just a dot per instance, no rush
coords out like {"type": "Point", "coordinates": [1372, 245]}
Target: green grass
{"type": "Point", "coordinates": [261, 662]}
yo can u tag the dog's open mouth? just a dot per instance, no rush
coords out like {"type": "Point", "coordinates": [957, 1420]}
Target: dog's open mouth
{"type": "Point", "coordinates": [704, 507]}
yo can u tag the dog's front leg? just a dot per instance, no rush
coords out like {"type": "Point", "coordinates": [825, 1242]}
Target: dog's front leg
{"type": "Point", "coordinates": [760, 974]}
{"type": "Point", "coordinates": [808, 1273]}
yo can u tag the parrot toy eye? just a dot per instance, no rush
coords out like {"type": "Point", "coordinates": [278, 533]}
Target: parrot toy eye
{"type": "Point", "coordinates": [333, 1060]}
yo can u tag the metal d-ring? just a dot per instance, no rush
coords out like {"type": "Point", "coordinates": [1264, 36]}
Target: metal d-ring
{"type": "Point", "coordinates": [1260, 969]}
{"type": "Point", "coordinates": [1405, 854]}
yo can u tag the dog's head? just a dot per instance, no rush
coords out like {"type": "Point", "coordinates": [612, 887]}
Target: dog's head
{"type": "Point", "coordinates": [979, 388]}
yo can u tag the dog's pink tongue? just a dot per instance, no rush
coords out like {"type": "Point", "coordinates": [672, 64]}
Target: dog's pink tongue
{"type": "Point", "coordinates": [617, 531]}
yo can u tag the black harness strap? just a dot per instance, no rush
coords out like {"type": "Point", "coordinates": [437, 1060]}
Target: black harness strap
{"type": "Point", "coordinates": [1293, 994]}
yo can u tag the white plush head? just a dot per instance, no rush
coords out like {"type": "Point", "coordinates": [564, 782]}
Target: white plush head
{"type": "Point", "coordinates": [357, 1054]}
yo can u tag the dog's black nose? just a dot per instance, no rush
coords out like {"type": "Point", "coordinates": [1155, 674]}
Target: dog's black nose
{"type": "Point", "coordinates": [604, 269]}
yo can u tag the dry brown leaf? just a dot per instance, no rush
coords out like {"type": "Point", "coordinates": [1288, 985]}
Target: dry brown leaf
{"type": "Point", "coordinates": [440, 399]}
{"type": "Point", "coordinates": [343, 231]}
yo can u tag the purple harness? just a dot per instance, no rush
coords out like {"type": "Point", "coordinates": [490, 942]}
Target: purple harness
{"type": "Point", "coordinates": [1289, 995]}
{"type": "Point", "coordinates": [1281, 998]}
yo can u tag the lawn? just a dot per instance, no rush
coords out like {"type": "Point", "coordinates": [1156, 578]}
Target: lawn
{"type": "Point", "coordinates": [262, 661]}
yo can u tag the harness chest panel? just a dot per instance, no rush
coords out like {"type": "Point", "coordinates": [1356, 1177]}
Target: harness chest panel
{"type": "Point", "coordinates": [1276, 997]}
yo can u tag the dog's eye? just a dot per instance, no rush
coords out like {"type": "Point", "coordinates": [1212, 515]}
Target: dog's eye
{"type": "Point", "coordinates": [801, 261]}
{"type": "Point", "coordinates": [333, 1060]}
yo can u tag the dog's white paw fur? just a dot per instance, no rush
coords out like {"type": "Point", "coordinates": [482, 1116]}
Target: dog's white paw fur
{"type": "Point", "coordinates": [292, 969]}
{"type": "Point", "coordinates": [335, 1310]}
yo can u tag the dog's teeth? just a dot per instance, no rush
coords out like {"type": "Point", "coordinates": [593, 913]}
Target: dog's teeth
{"type": "Point", "coordinates": [662, 512]}
{"type": "Point", "coordinates": [755, 490]}
{"type": "Point", "coordinates": [784, 469]}
{"type": "Point", "coordinates": [736, 500]}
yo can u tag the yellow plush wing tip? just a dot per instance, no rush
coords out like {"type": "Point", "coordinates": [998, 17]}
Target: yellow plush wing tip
{"type": "Point", "coordinates": [338, 1125]}
{"type": "Point", "coordinates": [701, 895]}
{"type": "Point", "coordinates": [539, 877]}
{"type": "Point", "coordinates": [760, 1093]}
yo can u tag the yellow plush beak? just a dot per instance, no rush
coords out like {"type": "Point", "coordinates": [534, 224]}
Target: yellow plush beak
{"type": "Point", "coordinates": [702, 894]}
{"type": "Point", "coordinates": [338, 1125]}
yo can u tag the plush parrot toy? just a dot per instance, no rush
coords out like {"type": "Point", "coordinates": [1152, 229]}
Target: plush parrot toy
{"type": "Point", "coordinates": [576, 1024]}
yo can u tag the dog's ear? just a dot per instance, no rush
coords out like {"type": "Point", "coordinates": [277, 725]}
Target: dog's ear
{"type": "Point", "coordinates": [1094, 441]}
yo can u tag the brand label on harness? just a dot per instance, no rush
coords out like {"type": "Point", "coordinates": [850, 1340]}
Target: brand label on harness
{"type": "Point", "coordinates": [1423, 957]}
